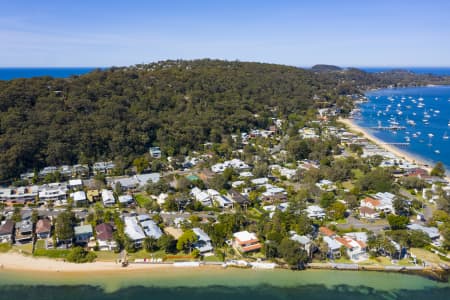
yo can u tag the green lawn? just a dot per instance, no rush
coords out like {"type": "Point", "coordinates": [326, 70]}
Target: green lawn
{"type": "Point", "coordinates": [5, 247]}
{"type": "Point", "coordinates": [24, 249]}
{"type": "Point", "coordinates": [51, 253]}
{"type": "Point", "coordinates": [142, 199]}
{"type": "Point", "coordinates": [40, 244]}
{"type": "Point", "coordinates": [107, 255]}
{"type": "Point", "coordinates": [144, 254]}
{"type": "Point", "coordinates": [212, 258]}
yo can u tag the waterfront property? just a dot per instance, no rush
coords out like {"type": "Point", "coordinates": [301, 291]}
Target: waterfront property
{"type": "Point", "coordinates": [246, 241]}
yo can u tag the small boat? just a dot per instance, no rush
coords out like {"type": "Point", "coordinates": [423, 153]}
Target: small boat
{"type": "Point", "coordinates": [445, 136]}
{"type": "Point", "coordinates": [437, 151]}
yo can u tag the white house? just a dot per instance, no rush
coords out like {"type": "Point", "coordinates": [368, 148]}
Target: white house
{"type": "Point", "coordinates": [203, 243]}
{"type": "Point", "coordinates": [108, 198]}
{"type": "Point", "coordinates": [79, 198]}
{"type": "Point", "coordinates": [134, 231]}
{"type": "Point", "coordinates": [315, 212]}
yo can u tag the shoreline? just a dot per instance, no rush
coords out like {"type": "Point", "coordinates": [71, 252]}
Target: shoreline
{"type": "Point", "coordinates": [411, 158]}
{"type": "Point", "coordinates": [18, 263]}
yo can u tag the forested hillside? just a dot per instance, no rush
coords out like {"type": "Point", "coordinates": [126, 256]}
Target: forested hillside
{"type": "Point", "coordinates": [177, 105]}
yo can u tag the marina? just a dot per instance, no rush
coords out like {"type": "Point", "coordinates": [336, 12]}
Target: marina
{"type": "Point", "coordinates": [411, 118]}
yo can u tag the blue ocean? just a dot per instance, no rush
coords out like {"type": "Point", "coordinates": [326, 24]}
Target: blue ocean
{"type": "Point", "coordinates": [442, 71]}
{"type": "Point", "coordinates": [422, 115]}
{"type": "Point", "coordinates": [14, 73]}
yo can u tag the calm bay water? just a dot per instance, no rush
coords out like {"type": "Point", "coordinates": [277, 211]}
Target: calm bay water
{"type": "Point", "coordinates": [221, 284]}
{"type": "Point", "coordinates": [424, 111]}
{"type": "Point", "coordinates": [13, 73]}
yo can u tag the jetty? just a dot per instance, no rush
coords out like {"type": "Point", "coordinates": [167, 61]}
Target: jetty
{"type": "Point", "coordinates": [388, 128]}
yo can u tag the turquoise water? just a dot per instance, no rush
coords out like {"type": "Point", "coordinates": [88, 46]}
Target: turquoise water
{"type": "Point", "coordinates": [13, 73]}
{"type": "Point", "coordinates": [424, 111]}
{"type": "Point", "coordinates": [221, 284]}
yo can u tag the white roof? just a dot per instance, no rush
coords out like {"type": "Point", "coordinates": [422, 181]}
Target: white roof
{"type": "Point", "coordinates": [75, 182]}
{"type": "Point", "coordinates": [79, 196]}
{"type": "Point", "coordinates": [332, 244]}
{"type": "Point", "coordinates": [260, 181]}
{"type": "Point", "coordinates": [108, 197]}
{"type": "Point", "coordinates": [133, 230]}
{"type": "Point", "coordinates": [245, 236]}
{"type": "Point", "coordinates": [151, 229]}
{"type": "Point", "coordinates": [125, 199]}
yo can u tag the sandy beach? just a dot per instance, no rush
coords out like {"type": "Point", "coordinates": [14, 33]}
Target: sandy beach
{"type": "Point", "coordinates": [397, 152]}
{"type": "Point", "coordinates": [18, 262]}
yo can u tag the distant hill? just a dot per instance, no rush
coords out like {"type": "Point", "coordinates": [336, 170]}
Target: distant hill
{"type": "Point", "coordinates": [325, 68]}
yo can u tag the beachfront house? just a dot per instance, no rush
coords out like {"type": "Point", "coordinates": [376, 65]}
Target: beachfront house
{"type": "Point", "coordinates": [304, 241]}
{"type": "Point", "coordinates": [83, 234]}
{"type": "Point", "coordinates": [134, 231]}
{"type": "Point", "coordinates": [43, 228]}
{"type": "Point", "coordinates": [245, 241]}
{"type": "Point", "coordinates": [203, 243]}
{"type": "Point", "coordinates": [105, 239]}
{"type": "Point", "coordinates": [24, 231]}
{"type": "Point", "coordinates": [7, 231]}
{"type": "Point", "coordinates": [334, 248]}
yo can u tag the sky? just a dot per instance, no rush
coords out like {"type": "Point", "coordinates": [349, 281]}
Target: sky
{"type": "Point", "coordinates": [302, 33]}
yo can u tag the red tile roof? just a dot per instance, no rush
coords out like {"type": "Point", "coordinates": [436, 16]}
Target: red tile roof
{"type": "Point", "coordinates": [326, 231]}
{"type": "Point", "coordinates": [251, 247]}
{"type": "Point", "coordinates": [372, 201]}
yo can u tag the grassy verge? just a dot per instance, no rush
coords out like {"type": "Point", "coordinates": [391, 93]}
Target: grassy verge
{"type": "Point", "coordinates": [5, 247]}
{"type": "Point", "coordinates": [51, 253]}
{"type": "Point", "coordinates": [142, 200]}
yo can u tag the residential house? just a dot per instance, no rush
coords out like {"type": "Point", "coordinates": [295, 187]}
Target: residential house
{"type": "Point", "coordinates": [104, 233]}
{"type": "Point", "coordinates": [201, 196]}
{"type": "Point", "coordinates": [80, 171]}
{"type": "Point", "coordinates": [53, 192]}
{"type": "Point", "coordinates": [327, 232]}
{"type": "Point", "coordinates": [19, 195]}
{"type": "Point", "coordinates": [93, 195]}
{"type": "Point", "coordinates": [43, 228]}
{"type": "Point", "coordinates": [134, 231]}
{"type": "Point", "coordinates": [155, 152]}
{"type": "Point", "coordinates": [79, 198]}
{"type": "Point", "coordinates": [315, 212]}
{"type": "Point", "coordinates": [246, 241]}
{"type": "Point", "coordinates": [75, 184]}
{"type": "Point", "coordinates": [236, 164]}
{"type": "Point", "coordinates": [83, 234]}
{"type": "Point", "coordinates": [304, 241]}
{"type": "Point", "coordinates": [126, 200]}
{"type": "Point", "coordinates": [151, 229]}
{"type": "Point", "coordinates": [334, 248]}
{"type": "Point", "coordinates": [24, 231]}
{"type": "Point", "coordinates": [356, 249]}
{"type": "Point", "coordinates": [368, 213]}
{"type": "Point", "coordinates": [238, 198]}
{"type": "Point", "coordinates": [108, 198]}
{"type": "Point", "coordinates": [223, 202]}
{"type": "Point", "coordinates": [432, 232]}
{"type": "Point", "coordinates": [7, 231]}
{"type": "Point", "coordinates": [103, 167]}
{"type": "Point", "coordinates": [326, 185]}
{"type": "Point", "coordinates": [203, 243]}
